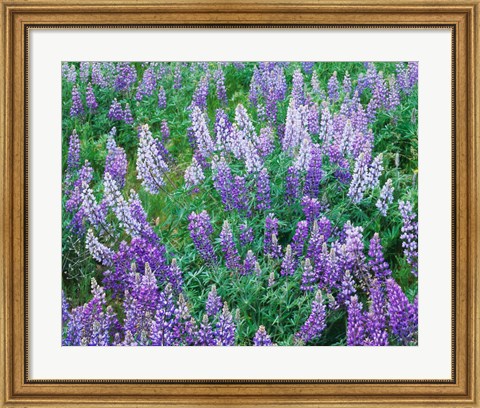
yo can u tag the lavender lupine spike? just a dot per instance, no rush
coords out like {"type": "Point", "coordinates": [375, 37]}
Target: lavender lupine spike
{"type": "Point", "coordinates": [292, 186]}
{"type": "Point", "coordinates": [165, 131]}
{"type": "Point", "coordinates": [99, 252]}
{"type": "Point", "coordinates": [295, 129]}
{"type": "Point", "coordinates": [77, 104]}
{"type": "Point", "coordinates": [92, 103]}
{"type": "Point", "coordinates": [225, 328]}
{"type": "Point", "coordinates": [359, 182]}
{"type": "Point", "coordinates": [177, 77]}
{"type": "Point", "coordinates": [315, 243]}
{"type": "Point", "coordinates": [309, 277]}
{"type": "Point", "coordinates": [375, 172]}
{"type": "Point", "coordinates": [263, 190]}
{"type": "Point", "coordinates": [262, 338]}
{"type": "Point", "coordinates": [326, 125]}
{"type": "Point", "coordinates": [355, 323]}
{"type": "Point", "coordinates": [116, 112]}
{"type": "Point", "coordinates": [314, 172]}
{"type": "Point", "coordinates": [219, 79]}
{"type": "Point", "coordinates": [229, 248]}
{"type": "Point", "coordinates": [270, 246]}
{"type": "Point", "coordinates": [246, 234]}
{"type": "Point", "coordinates": [271, 279]}
{"type": "Point", "coordinates": [92, 211]}
{"type": "Point", "coordinates": [116, 162]}
{"type": "Point", "coordinates": [311, 208]}
{"type": "Point", "coordinates": [185, 328]}
{"type": "Point", "coordinates": [194, 175]}
{"type": "Point", "coordinates": [199, 98]}
{"type": "Point", "coordinates": [150, 165]}
{"type": "Point", "coordinates": [74, 196]}
{"type": "Point", "coordinates": [313, 328]}
{"type": "Point", "coordinates": [304, 155]}
{"type": "Point", "coordinates": [162, 98]}
{"type": "Point", "coordinates": [205, 333]}
{"type": "Point", "coordinates": [300, 238]}
{"type": "Point", "coordinates": [377, 263]}
{"type": "Point", "coordinates": [161, 329]}
{"type": "Point", "coordinates": [376, 331]}
{"type": "Point", "coordinates": [409, 235]}
{"type": "Point", "coordinates": [347, 84]}
{"type": "Point", "coordinates": [315, 84]}
{"type": "Point", "coordinates": [65, 310]}
{"type": "Point", "coordinates": [214, 302]}
{"type": "Point", "coordinates": [126, 77]}
{"type": "Point", "coordinates": [249, 263]}
{"type": "Point", "coordinates": [73, 158]}
{"type": "Point", "coordinates": [148, 84]}
{"type": "Point", "coordinates": [266, 142]}
{"type": "Point", "coordinates": [223, 129]}
{"type": "Point", "coordinates": [288, 263]}
{"type": "Point", "coordinates": [201, 133]}
{"type": "Point", "coordinates": [69, 72]}
{"type": "Point", "coordinates": [355, 250]}
{"type": "Point", "coordinates": [333, 88]}
{"type": "Point", "coordinates": [402, 315]}
{"type": "Point", "coordinates": [223, 183]}
{"type": "Point", "coordinates": [386, 197]}
{"type": "Point", "coordinates": [313, 119]}
{"type": "Point", "coordinates": [298, 93]}
{"type": "Point", "coordinates": [239, 194]}
{"type": "Point", "coordinates": [127, 115]}
{"type": "Point", "coordinates": [201, 229]}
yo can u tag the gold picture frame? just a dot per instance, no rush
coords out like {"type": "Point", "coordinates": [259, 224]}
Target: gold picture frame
{"type": "Point", "coordinates": [16, 389]}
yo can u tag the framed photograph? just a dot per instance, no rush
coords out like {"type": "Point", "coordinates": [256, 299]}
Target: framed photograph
{"type": "Point", "coordinates": [239, 204]}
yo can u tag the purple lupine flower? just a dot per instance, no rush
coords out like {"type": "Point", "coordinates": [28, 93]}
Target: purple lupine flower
{"type": "Point", "coordinates": [263, 191]}
{"type": "Point", "coordinates": [300, 239]}
{"type": "Point", "coordinates": [225, 328]}
{"type": "Point", "coordinates": [127, 115]}
{"type": "Point", "coordinates": [77, 104]}
{"type": "Point", "coordinates": [162, 98]}
{"type": "Point", "coordinates": [292, 186]}
{"type": "Point", "coordinates": [313, 119]}
{"type": "Point", "coordinates": [347, 84]}
{"type": "Point", "coordinates": [92, 211]}
{"type": "Point", "coordinates": [354, 249]}
{"type": "Point", "coordinates": [262, 338]}
{"type": "Point", "coordinates": [232, 259]}
{"type": "Point", "coordinates": [214, 302]}
{"type": "Point", "coordinates": [409, 235]}
{"type": "Point", "coordinates": [219, 79]}
{"type": "Point", "coordinates": [326, 125]}
{"type": "Point", "coordinates": [136, 211]}
{"type": "Point", "coordinates": [246, 234]}
{"type": "Point", "coordinates": [201, 93]}
{"type": "Point", "coordinates": [185, 329]}
{"type": "Point", "coordinates": [355, 323]}
{"type": "Point", "coordinates": [65, 310]}
{"type": "Point", "coordinates": [315, 84]}
{"type": "Point", "coordinates": [74, 196]}
{"type": "Point", "coordinates": [386, 197]}
{"type": "Point", "coordinates": [223, 183]}
{"type": "Point", "coordinates": [150, 165]}
{"type": "Point", "coordinates": [249, 263]}
{"type": "Point", "coordinates": [304, 155]}
{"type": "Point", "coordinates": [377, 263]}
{"type": "Point", "coordinates": [308, 67]}
{"type": "Point", "coordinates": [270, 243]}
{"type": "Point", "coordinates": [92, 104]}
{"type": "Point", "coordinates": [99, 251]}
{"type": "Point", "coordinates": [359, 182]}
{"type": "Point", "coordinates": [313, 328]}
{"type": "Point", "coordinates": [116, 161]}
{"type": "Point", "coordinates": [288, 263]}
{"type": "Point", "coordinates": [126, 77]}
{"type": "Point", "coordinates": [116, 111]}
{"type": "Point", "coordinates": [165, 130]}
{"type": "Point", "coordinates": [314, 172]}
{"type": "Point", "coordinates": [201, 133]}
{"type": "Point", "coordinates": [271, 279]}
{"type": "Point", "coordinates": [148, 84]}
{"type": "Point", "coordinates": [205, 333]}
{"type": "Point", "coordinates": [194, 174]}
{"type": "Point", "coordinates": [412, 74]}
{"type": "Point", "coordinates": [177, 77]}
{"type": "Point", "coordinates": [69, 72]}
{"type": "Point", "coordinates": [315, 243]}
{"type": "Point", "coordinates": [97, 75]}
{"type": "Point", "coordinates": [201, 229]}
{"type": "Point", "coordinates": [223, 129]}
{"type": "Point", "coordinates": [295, 129]}
{"type": "Point", "coordinates": [73, 158]}
{"type": "Point", "coordinates": [253, 162]}
{"type": "Point", "coordinates": [376, 333]}
{"type": "Point", "coordinates": [375, 172]}
{"type": "Point", "coordinates": [266, 142]}
{"type": "Point", "coordinates": [298, 93]}
{"type": "Point", "coordinates": [346, 290]}
{"type": "Point", "coordinates": [393, 96]}
{"type": "Point", "coordinates": [175, 276]}
{"type": "Point", "coordinates": [161, 329]}
{"type": "Point", "coordinates": [309, 277]}
{"type": "Point", "coordinates": [401, 313]}
{"type": "Point", "coordinates": [333, 88]}
{"type": "Point", "coordinates": [311, 208]}
{"type": "Point", "coordinates": [239, 194]}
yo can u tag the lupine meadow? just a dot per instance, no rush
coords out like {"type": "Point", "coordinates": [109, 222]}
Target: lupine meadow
{"type": "Point", "coordinates": [221, 204]}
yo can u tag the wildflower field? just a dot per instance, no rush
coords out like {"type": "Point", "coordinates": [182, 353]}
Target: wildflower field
{"type": "Point", "coordinates": [246, 203]}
